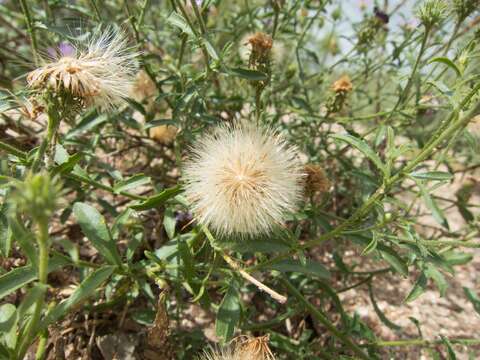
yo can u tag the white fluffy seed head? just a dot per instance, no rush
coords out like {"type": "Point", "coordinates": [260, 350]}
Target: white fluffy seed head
{"type": "Point", "coordinates": [100, 72]}
{"type": "Point", "coordinates": [243, 180]}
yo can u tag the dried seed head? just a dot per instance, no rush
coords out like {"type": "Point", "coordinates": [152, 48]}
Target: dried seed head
{"type": "Point", "coordinates": [261, 44]}
{"type": "Point", "coordinates": [100, 73]}
{"type": "Point", "coordinates": [143, 87]}
{"type": "Point", "coordinates": [242, 348]}
{"type": "Point", "coordinates": [164, 134]}
{"type": "Point", "coordinates": [316, 180]}
{"type": "Point", "coordinates": [243, 180]}
{"type": "Point", "coordinates": [343, 85]}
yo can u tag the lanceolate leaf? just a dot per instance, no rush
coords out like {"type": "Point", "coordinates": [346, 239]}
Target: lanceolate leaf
{"type": "Point", "coordinates": [448, 62]}
{"type": "Point", "coordinates": [363, 147]}
{"type": "Point", "coordinates": [248, 74]}
{"type": "Point", "coordinates": [312, 268]}
{"type": "Point", "coordinates": [87, 288]}
{"type": "Point", "coordinates": [432, 175]}
{"type": "Point", "coordinates": [21, 276]}
{"type": "Point", "coordinates": [131, 183]}
{"type": "Point", "coordinates": [228, 314]}
{"type": "Point", "coordinates": [418, 289]}
{"type": "Point", "coordinates": [474, 299]}
{"type": "Point", "coordinates": [94, 227]}
{"type": "Point", "coordinates": [157, 200]}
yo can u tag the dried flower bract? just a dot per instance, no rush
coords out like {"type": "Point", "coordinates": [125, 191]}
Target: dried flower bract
{"type": "Point", "coordinates": [243, 180]}
{"type": "Point", "coordinates": [344, 84]}
{"type": "Point", "coordinates": [316, 180]}
{"type": "Point", "coordinates": [242, 348]}
{"type": "Point", "coordinates": [261, 44]}
{"type": "Point", "coordinates": [100, 73]}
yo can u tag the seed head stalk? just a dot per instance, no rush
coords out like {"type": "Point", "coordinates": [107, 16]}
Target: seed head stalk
{"type": "Point", "coordinates": [48, 142]}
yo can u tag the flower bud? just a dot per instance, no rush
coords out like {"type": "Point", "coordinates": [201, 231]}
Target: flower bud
{"type": "Point", "coordinates": [37, 196]}
{"type": "Point", "coordinates": [432, 12]}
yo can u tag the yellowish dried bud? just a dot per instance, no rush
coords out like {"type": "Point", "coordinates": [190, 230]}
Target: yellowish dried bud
{"type": "Point", "coordinates": [164, 134]}
{"type": "Point", "coordinates": [261, 43]}
{"type": "Point", "coordinates": [143, 88]}
{"type": "Point", "coordinates": [343, 85]}
{"type": "Point", "coordinates": [316, 179]}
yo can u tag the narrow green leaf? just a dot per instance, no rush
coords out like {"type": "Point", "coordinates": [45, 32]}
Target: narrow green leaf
{"type": "Point", "coordinates": [157, 200]}
{"type": "Point", "coordinates": [363, 147]}
{"type": "Point", "coordinates": [211, 49]}
{"type": "Point", "coordinates": [8, 325]}
{"type": "Point", "coordinates": [311, 267]}
{"type": "Point", "coordinates": [432, 272]}
{"type": "Point", "coordinates": [437, 213]}
{"type": "Point", "coordinates": [474, 299]}
{"type": "Point", "coordinates": [24, 238]}
{"type": "Point", "coordinates": [35, 294]}
{"type": "Point", "coordinates": [432, 175]}
{"type": "Point", "coordinates": [158, 122]}
{"type": "Point", "coordinates": [418, 289]}
{"type": "Point", "coordinates": [179, 21]}
{"type": "Point", "coordinates": [5, 233]}
{"type": "Point", "coordinates": [248, 74]}
{"type": "Point", "coordinates": [448, 62]}
{"type": "Point", "coordinates": [86, 289]}
{"type": "Point", "coordinates": [68, 165]}
{"type": "Point", "coordinates": [372, 245]}
{"type": "Point", "coordinates": [21, 276]}
{"type": "Point", "coordinates": [394, 260]}
{"type": "Point", "coordinates": [131, 183]}
{"type": "Point", "coordinates": [457, 258]}
{"type": "Point", "coordinates": [169, 223]}
{"type": "Point", "coordinates": [379, 312]}
{"type": "Point", "coordinates": [450, 352]}
{"type": "Point", "coordinates": [228, 314]}
{"type": "Point", "coordinates": [95, 229]}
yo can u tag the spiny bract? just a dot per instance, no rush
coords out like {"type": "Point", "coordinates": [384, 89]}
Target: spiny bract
{"type": "Point", "coordinates": [99, 72]}
{"type": "Point", "coordinates": [243, 180]}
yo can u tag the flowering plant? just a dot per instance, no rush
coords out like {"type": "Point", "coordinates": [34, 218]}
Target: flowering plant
{"type": "Point", "coordinates": [239, 179]}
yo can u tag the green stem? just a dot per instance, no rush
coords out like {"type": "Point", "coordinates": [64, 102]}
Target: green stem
{"type": "Point", "coordinates": [324, 320]}
{"type": "Point", "coordinates": [52, 126]}
{"type": "Point", "coordinates": [194, 30]}
{"type": "Point", "coordinates": [424, 342]}
{"type": "Point", "coordinates": [404, 95]}
{"type": "Point", "coordinates": [42, 346]}
{"type": "Point", "coordinates": [42, 279]}
{"type": "Point", "coordinates": [258, 103]}
{"type": "Point", "coordinates": [31, 29]}
{"type": "Point", "coordinates": [141, 18]}
{"type": "Point", "coordinates": [95, 8]}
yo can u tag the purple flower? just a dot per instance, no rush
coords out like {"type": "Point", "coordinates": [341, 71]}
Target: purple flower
{"type": "Point", "coordinates": [64, 49]}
